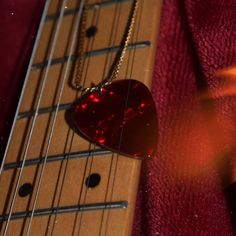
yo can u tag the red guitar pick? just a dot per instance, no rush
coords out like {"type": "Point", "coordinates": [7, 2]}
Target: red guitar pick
{"type": "Point", "coordinates": [121, 117]}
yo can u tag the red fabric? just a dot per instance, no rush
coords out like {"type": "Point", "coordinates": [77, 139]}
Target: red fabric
{"type": "Point", "coordinates": [18, 23]}
{"type": "Point", "coordinates": [183, 190]}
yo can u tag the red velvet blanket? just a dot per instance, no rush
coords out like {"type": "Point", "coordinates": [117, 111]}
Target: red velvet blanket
{"type": "Point", "coordinates": [188, 189]}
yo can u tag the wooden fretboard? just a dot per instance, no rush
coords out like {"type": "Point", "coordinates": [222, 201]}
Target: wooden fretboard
{"type": "Point", "coordinates": [54, 182]}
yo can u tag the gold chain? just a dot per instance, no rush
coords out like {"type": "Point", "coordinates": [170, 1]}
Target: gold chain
{"type": "Point", "coordinates": [79, 64]}
{"type": "Point", "coordinates": [120, 59]}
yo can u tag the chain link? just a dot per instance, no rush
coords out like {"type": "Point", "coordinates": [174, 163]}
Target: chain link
{"type": "Point", "coordinates": [118, 64]}
{"type": "Point", "coordinates": [79, 63]}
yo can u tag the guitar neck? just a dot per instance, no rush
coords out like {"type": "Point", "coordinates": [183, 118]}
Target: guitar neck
{"type": "Point", "coordinates": [53, 181]}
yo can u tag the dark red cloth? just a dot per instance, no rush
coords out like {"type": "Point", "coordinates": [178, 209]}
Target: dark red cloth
{"type": "Point", "coordinates": [182, 191]}
{"type": "Point", "coordinates": [18, 24]}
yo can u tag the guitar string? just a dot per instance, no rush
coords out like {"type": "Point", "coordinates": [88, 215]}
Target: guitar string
{"type": "Point", "coordinates": [126, 73]}
{"type": "Point", "coordinates": [71, 50]}
{"type": "Point", "coordinates": [90, 159]}
{"type": "Point", "coordinates": [88, 47]}
{"type": "Point", "coordinates": [41, 24]}
{"type": "Point", "coordinates": [32, 214]}
{"type": "Point", "coordinates": [90, 163]}
{"type": "Point", "coordinates": [55, 36]}
{"type": "Point", "coordinates": [61, 169]}
{"type": "Point", "coordinates": [72, 140]}
{"type": "Point", "coordinates": [116, 156]}
{"type": "Point", "coordinates": [85, 194]}
{"type": "Point", "coordinates": [108, 65]}
{"type": "Point", "coordinates": [133, 5]}
{"type": "Point", "coordinates": [61, 178]}
{"type": "Point", "coordinates": [40, 28]}
{"type": "Point", "coordinates": [91, 146]}
{"type": "Point", "coordinates": [68, 133]}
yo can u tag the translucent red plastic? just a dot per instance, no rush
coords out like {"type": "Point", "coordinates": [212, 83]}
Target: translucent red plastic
{"type": "Point", "coordinates": [121, 117]}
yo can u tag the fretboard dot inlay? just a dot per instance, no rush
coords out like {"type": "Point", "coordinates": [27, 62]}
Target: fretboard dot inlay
{"type": "Point", "coordinates": [25, 189]}
{"type": "Point", "coordinates": [91, 31]}
{"type": "Point", "coordinates": [93, 180]}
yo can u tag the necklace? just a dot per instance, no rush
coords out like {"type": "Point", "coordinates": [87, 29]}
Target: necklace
{"type": "Point", "coordinates": [115, 114]}
{"type": "Point", "coordinates": [120, 56]}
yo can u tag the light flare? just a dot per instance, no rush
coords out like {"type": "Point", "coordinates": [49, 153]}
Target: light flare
{"type": "Point", "coordinates": [208, 139]}
{"type": "Point", "coordinates": [226, 88]}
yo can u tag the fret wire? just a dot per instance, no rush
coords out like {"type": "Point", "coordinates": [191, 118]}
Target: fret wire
{"type": "Point", "coordinates": [93, 6]}
{"type": "Point", "coordinates": [71, 49]}
{"type": "Point", "coordinates": [106, 3]}
{"type": "Point", "coordinates": [53, 45]}
{"type": "Point", "coordinates": [45, 110]}
{"type": "Point", "coordinates": [67, 210]}
{"type": "Point", "coordinates": [98, 152]}
{"type": "Point", "coordinates": [94, 53]}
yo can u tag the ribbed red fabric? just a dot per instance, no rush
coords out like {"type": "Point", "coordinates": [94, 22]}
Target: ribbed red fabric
{"type": "Point", "coordinates": [183, 191]}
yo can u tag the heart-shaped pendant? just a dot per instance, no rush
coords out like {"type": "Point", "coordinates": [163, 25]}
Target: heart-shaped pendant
{"type": "Point", "coordinates": [121, 117]}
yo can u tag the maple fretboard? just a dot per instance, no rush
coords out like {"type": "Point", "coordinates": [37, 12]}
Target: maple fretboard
{"type": "Point", "coordinates": [44, 185]}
